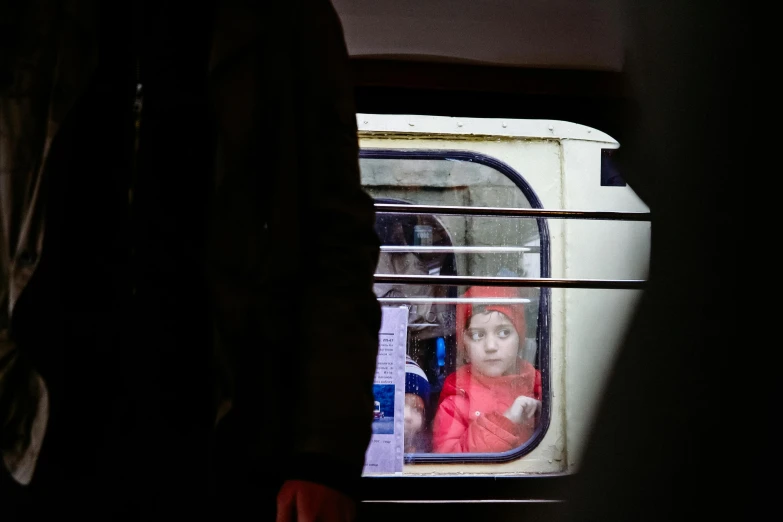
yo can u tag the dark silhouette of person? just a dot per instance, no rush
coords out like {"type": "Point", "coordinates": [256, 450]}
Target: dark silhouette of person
{"type": "Point", "coordinates": [186, 261]}
{"type": "Point", "coordinates": [666, 442]}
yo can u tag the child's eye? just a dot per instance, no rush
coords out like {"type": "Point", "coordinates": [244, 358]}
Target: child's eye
{"type": "Point", "coordinates": [476, 335]}
{"type": "Point", "coordinates": [503, 333]}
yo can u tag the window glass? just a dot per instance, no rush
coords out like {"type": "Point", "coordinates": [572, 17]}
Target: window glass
{"type": "Point", "coordinates": [474, 382]}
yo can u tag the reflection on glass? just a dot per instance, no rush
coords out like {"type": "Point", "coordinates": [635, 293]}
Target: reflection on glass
{"type": "Point", "coordinates": [471, 380]}
{"type": "Point", "coordinates": [460, 183]}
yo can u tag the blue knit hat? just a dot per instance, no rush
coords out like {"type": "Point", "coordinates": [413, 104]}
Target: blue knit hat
{"type": "Point", "coordinates": [416, 380]}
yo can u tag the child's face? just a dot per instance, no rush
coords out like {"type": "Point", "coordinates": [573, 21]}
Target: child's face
{"type": "Point", "coordinates": [492, 344]}
{"type": "Point", "coordinates": [414, 414]}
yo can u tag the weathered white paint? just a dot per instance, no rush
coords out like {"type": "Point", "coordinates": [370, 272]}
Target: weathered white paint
{"type": "Point", "coordinates": [464, 128]}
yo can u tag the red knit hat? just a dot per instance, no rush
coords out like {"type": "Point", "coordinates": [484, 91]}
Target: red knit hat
{"type": "Point", "coordinates": [515, 312]}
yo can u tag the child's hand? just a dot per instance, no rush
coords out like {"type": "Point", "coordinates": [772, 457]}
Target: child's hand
{"type": "Point", "coordinates": [523, 409]}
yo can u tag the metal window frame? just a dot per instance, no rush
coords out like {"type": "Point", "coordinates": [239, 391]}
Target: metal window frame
{"type": "Point", "coordinates": [545, 283]}
{"type": "Point", "coordinates": [544, 311]}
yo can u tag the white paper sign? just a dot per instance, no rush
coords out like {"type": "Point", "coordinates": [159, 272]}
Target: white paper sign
{"type": "Point", "coordinates": [385, 452]}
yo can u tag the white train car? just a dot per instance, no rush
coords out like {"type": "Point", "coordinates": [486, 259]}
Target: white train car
{"type": "Point", "coordinates": [574, 223]}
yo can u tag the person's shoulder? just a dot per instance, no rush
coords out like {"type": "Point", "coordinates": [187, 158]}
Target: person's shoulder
{"type": "Point", "coordinates": [450, 386]}
{"type": "Point", "coordinates": [460, 374]}
{"type": "Point", "coordinates": [457, 382]}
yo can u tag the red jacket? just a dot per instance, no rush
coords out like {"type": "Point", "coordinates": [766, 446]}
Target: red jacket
{"type": "Point", "coordinates": [470, 411]}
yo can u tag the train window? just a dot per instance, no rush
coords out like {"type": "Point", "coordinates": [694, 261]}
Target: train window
{"type": "Point", "coordinates": [476, 385]}
{"type": "Point", "coordinates": [518, 168]}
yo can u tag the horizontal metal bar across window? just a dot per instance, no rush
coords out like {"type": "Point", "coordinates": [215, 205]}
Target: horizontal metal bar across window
{"type": "Point", "coordinates": [609, 284]}
{"type": "Point", "coordinates": [452, 300]}
{"type": "Point", "coordinates": [478, 501]}
{"type": "Point", "coordinates": [456, 249]}
{"type": "Point", "coordinates": [449, 210]}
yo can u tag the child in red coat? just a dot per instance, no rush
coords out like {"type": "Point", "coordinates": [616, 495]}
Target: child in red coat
{"type": "Point", "coordinates": [490, 404]}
